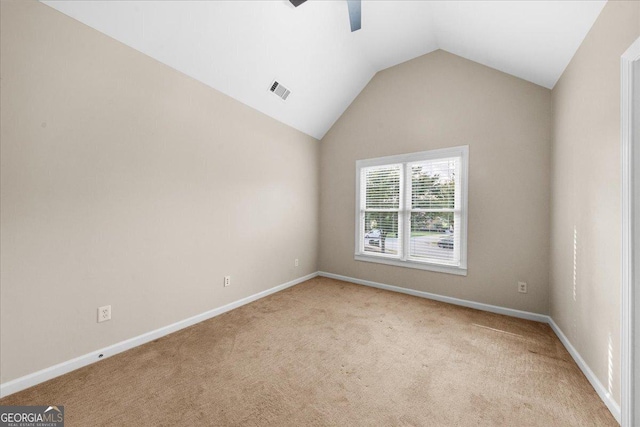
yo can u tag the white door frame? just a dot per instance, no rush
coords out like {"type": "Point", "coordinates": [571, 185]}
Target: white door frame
{"type": "Point", "coordinates": [630, 392]}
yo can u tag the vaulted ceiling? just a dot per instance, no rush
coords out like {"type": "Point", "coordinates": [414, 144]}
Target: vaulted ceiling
{"type": "Point", "coordinates": [241, 47]}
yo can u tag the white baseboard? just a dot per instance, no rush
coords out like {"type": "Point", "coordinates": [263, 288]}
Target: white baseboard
{"type": "Point", "coordinates": [87, 359]}
{"type": "Point", "coordinates": [606, 397]}
{"type": "Point", "coordinates": [450, 300]}
{"type": "Point", "coordinates": [46, 374]}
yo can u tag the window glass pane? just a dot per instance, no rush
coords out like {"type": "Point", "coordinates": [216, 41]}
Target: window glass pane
{"type": "Point", "coordinates": [382, 189]}
{"type": "Point", "coordinates": [381, 232]}
{"type": "Point", "coordinates": [433, 184]}
{"type": "Point", "coordinates": [433, 236]}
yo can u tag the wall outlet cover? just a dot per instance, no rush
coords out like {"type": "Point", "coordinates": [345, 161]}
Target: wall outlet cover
{"type": "Point", "coordinates": [104, 313]}
{"type": "Point", "coordinates": [522, 287]}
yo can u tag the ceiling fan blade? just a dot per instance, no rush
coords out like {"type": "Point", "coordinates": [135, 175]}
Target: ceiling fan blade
{"type": "Point", "coordinates": [297, 3]}
{"type": "Point", "coordinates": [355, 14]}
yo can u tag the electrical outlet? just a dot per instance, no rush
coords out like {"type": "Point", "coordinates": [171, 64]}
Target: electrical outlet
{"type": "Point", "coordinates": [104, 313]}
{"type": "Point", "coordinates": [227, 281]}
{"type": "Point", "coordinates": [296, 262]}
{"type": "Point", "coordinates": [522, 287]}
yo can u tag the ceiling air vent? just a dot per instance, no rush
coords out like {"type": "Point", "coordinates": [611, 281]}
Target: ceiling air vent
{"type": "Point", "coordinates": [280, 90]}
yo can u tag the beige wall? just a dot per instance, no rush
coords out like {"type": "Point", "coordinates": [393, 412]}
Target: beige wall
{"type": "Point", "coordinates": [124, 182]}
{"type": "Point", "coordinates": [127, 183]}
{"type": "Point", "coordinates": [441, 100]}
{"type": "Point", "coordinates": [585, 242]}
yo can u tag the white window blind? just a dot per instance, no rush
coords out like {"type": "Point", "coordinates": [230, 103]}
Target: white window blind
{"type": "Point", "coordinates": [380, 214]}
{"type": "Point", "coordinates": [411, 210]}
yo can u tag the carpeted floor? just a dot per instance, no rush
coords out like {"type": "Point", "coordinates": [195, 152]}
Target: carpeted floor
{"type": "Point", "coordinates": [329, 353]}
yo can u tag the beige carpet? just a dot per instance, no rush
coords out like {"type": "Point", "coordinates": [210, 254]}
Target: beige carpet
{"type": "Point", "coordinates": [335, 354]}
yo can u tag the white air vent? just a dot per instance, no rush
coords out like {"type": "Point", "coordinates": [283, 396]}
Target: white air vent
{"type": "Point", "coordinates": [279, 90]}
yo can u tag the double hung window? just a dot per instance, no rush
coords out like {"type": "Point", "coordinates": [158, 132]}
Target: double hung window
{"type": "Point", "coordinates": [412, 210]}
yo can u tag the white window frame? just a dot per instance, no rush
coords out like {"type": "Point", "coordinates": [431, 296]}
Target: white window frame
{"type": "Point", "coordinates": [404, 223]}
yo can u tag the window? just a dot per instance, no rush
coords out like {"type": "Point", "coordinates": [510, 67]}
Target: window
{"type": "Point", "coordinates": [412, 210]}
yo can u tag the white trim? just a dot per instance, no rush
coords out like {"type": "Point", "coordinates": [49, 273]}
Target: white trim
{"type": "Point", "coordinates": [606, 397]}
{"type": "Point", "coordinates": [405, 200]}
{"type": "Point", "coordinates": [414, 157]}
{"type": "Point", "coordinates": [46, 374]}
{"type": "Point", "coordinates": [450, 300]}
{"type": "Point", "coordinates": [630, 164]}
{"type": "Point", "coordinates": [421, 265]}
{"type": "Point", "coordinates": [87, 359]}
{"type": "Point", "coordinates": [403, 259]}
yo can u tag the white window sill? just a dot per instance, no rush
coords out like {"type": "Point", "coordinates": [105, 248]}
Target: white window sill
{"type": "Point", "coordinates": [440, 268]}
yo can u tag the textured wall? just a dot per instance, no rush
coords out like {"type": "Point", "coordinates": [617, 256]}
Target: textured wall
{"type": "Point", "coordinates": [585, 238]}
{"type": "Point", "coordinates": [127, 183]}
{"type": "Point", "coordinates": [441, 100]}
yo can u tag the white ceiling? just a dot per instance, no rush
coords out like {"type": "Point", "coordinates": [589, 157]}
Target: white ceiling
{"type": "Point", "coordinates": [240, 47]}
